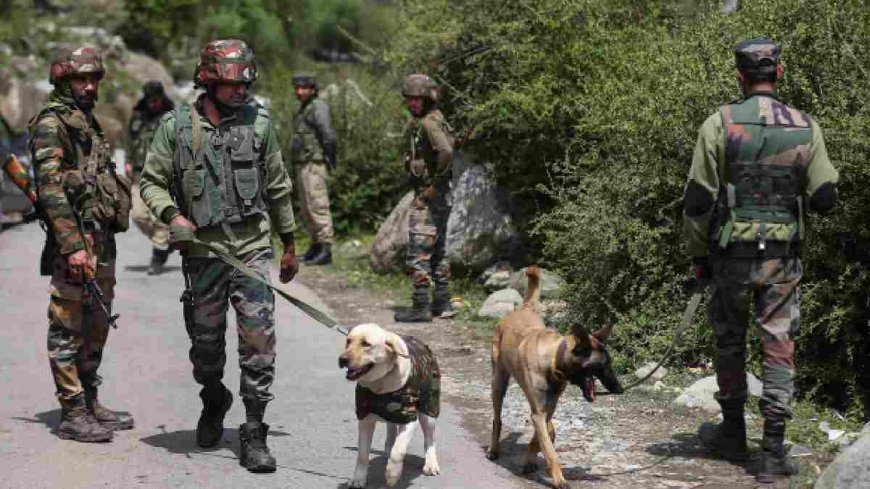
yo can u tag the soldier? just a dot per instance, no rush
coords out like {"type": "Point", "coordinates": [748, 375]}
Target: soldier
{"type": "Point", "coordinates": [313, 152]}
{"type": "Point", "coordinates": [214, 173]}
{"type": "Point", "coordinates": [429, 165]}
{"type": "Point", "coordinates": [84, 203]}
{"type": "Point", "coordinates": [143, 123]}
{"type": "Point", "coordinates": [758, 165]}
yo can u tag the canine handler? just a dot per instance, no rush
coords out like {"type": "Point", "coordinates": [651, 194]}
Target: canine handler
{"type": "Point", "coordinates": [758, 165]}
{"type": "Point", "coordinates": [84, 203]}
{"type": "Point", "coordinates": [143, 123]}
{"type": "Point", "coordinates": [429, 166]}
{"type": "Point", "coordinates": [214, 173]}
{"type": "Point", "coordinates": [313, 151]}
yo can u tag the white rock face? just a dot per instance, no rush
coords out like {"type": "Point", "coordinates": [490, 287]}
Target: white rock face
{"type": "Point", "coordinates": [851, 469]}
{"type": "Point", "coordinates": [388, 250]}
{"type": "Point", "coordinates": [701, 394]}
{"type": "Point", "coordinates": [499, 304]}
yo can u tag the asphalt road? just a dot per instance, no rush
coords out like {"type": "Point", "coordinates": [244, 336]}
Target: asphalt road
{"type": "Point", "coordinates": [146, 372]}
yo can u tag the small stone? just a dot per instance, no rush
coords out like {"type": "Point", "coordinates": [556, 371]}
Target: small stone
{"type": "Point", "coordinates": [643, 371]}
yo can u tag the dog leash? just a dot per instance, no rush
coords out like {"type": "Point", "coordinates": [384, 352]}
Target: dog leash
{"type": "Point", "coordinates": [688, 314]}
{"type": "Point", "coordinates": [247, 271]}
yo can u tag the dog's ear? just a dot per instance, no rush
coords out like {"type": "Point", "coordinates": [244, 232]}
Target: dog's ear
{"type": "Point", "coordinates": [395, 346]}
{"type": "Point", "coordinates": [581, 336]}
{"type": "Point", "coordinates": [603, 333]}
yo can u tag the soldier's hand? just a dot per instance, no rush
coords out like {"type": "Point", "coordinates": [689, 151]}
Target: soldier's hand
{"type": "Point", "coordinates": [128, 169]}
{"type": "Point", "coordinates": [703, 272]}
{"type": "Point", "coordinates": [289, 263]}
{"type": "Point", "coordinates": [181, 232]}
{"type": "Point", "coordinates": [81, 267]}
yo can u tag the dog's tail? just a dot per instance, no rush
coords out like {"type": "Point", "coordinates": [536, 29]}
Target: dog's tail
{"type": "Point", "coordinates": [533, 291]}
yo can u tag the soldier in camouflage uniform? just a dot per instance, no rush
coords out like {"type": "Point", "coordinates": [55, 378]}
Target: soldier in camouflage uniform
{"type": "Point", "coordinates": [758, 165]}
{"type": "Point", "coordinates": [214, 173]}
{"type": "Point", "coordinates": [143, 123]}
{"type": "Point", "coordinates": [313, 152]}
{"type": "Point", "coordinates": [429, 165]}
{"type": "Point", "coordinates": [85, 203]}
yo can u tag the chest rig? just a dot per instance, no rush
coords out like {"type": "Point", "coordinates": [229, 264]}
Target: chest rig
{"type": "Point", "coordinates": [767, 148]}
{"type": "Point", "coordinates": [219, 175]}
{"type": "Point", "coordinates": [306, 145]}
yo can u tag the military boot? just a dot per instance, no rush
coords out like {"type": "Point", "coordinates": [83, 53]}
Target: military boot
{"type": "Point", "coordinates": [420, 311]}
{"type": "Point", "coordinates": [77, 423]}
{"type": "Point", "coordinates": [110, 419]}
{"type": "Point", "coordinates": [441, 305]}
{"type": "Point", "coordinates": [728, 438]}
{"type": "Point", "coordinates": [158, 259]}
{"type": "Point", "coordinates": [323, 256]}
{"type": "Point", "coordinates": [254, 455]}
{"type": "Point", "coordinates": [311, 252]}
{"type": "Point", "coordinates": [216, 401]}
{"type": "Point", "coordinates": [775, 462]}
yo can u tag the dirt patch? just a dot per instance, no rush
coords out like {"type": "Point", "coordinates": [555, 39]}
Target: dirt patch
{"type": "Point", "coordinates": [637, 440]}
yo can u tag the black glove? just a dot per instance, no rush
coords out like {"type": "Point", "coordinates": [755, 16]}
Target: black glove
{"type": "Point", "coordinates": [331, 162]}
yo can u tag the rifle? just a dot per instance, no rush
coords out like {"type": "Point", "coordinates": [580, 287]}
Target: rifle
{"type": "Point", "coordinates": [91, 287]}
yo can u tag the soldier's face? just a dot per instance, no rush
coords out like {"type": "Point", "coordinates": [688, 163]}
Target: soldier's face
{"type": "Point", "coordinates": [84, 90]}
{"type": "Point", "coordinates": [232, 94]}
{"type": "Point", "coordinates": [155, 104]}
{"type": "Point", "coordinates": [303, 93]}
{"type": "Point", "coordinates": [415, 105]}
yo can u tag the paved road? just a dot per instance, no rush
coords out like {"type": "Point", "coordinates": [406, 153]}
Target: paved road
{"type": "Point", "coordinates": [146, 371]}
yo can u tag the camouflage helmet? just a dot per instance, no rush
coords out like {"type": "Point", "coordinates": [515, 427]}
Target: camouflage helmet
{"type": "Point", "coordinates": [759, 55]}
{"type": "Point", "coordinates": [85, 60]}
{"type": "Point", "coordinates": [152, 88]}
{"type": "Point", "coordinates": [304, 80]}
{"type": "Point", "coordinates": [225, 60]}
{"type": "Point", "coordinates": [420, 85]}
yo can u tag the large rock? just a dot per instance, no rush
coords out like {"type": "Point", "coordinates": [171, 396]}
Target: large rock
{"type": "Point", "coordinates": [388, 250]}
{"type": "Point", "coordinates": [21, 94]}
{"type": "Point", "coordinates": [701, 394]}
{"type": "Point", "coordinates": [551, 284]}
{"type": "Point", "coordinates": [851, 469]}
{"type": "Point", "coordinates": [480, 230]}
{"type": "Point", "coordinates": [499, 304]}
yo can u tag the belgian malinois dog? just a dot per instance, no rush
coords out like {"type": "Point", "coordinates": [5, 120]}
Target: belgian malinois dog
{"type": "Point", "coordinates": [543, 362]}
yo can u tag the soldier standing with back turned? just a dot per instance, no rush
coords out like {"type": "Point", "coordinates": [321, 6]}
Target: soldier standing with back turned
{"type": "Point", "coordinates": [758, 165]}
{"type": "Point", "coordinates": [85, 203]}
{"type": "Point", "coordinates": [313, 152]}
{"type": "Point", "coordinates": [214, 173]}
{"type": "Point", "coordinates": [429, 166]}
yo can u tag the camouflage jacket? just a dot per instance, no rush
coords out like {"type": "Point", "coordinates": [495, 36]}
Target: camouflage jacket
{"type": "Point", "coordinates": [142, 127]}
{"type": "Point", "coordinates": [789, 139]}
{"type": "Point", "coordinates": [313, 136]}
{"type": "Point", "coordinates": [63, 142]}
{"type": "Point", "coordinates": [5, 141]}
{"type": "Point", "coordinates": [422, 392]}
{"type": "Point", "coordinates": [431, 140]}
{"type": "Point", "coordinates": [252, 234]}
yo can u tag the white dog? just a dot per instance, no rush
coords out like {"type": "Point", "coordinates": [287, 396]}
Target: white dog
{"type": "Point", "coordinates": [398, 382]}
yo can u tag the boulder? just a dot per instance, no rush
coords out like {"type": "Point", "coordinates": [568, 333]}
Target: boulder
{"type": "Point", "coordinates": [480, 229]}
{"type": "Point", "coordinates": [142, 68]}
{"type": "Point", "coordinates": [646, 368]}
{"type": "Point", "coordinates": [499, 304]}
{"type": "Point", "coordinates": [551, 284]}
{"type": "Point", "coordinates": [21, 96]}
{"type": "Point", "coordinates": [388, 250]}
{"type": "Point", "coordinates": [702, 393]}
{"type": "Point", "coordinates": [851, 469]}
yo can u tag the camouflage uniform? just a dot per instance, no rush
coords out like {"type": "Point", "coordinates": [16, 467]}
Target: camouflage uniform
{"type": "Point", "coordinates": [757, 166]}
{"type": "Point", "coordinates": [76, 180]}
{"type": "Point", "coordinates": [313, 150]}
{"type": "Point", "coordinates": [142, 126]}
{"type": "Point", "coordinates": [5, 141]}
{"type": "Point", "coordinates": [422, 392]}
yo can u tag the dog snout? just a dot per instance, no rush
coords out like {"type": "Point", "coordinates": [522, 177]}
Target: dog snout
{"type": "Point", "coordinates": [343, 361]}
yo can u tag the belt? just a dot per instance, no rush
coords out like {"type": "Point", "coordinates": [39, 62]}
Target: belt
{"type": "Point", "coordinates": [772, 249]}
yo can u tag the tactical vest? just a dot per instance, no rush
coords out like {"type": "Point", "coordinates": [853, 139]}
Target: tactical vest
{"type": "Point", "coordinates": [422, 160]}
{"type": "Point", "coordinates": [220, 180]}
{"type": "Point", "coordinates": [767, 148]}
{"type": "Point", "coordinates": [306, 145]}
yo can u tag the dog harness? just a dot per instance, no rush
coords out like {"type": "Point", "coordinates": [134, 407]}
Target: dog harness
{"type": "Point", "coordinates": [422, 392]}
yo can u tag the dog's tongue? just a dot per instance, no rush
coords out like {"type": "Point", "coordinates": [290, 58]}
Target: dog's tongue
{"type": "Point", "coordinates": [590, 388]}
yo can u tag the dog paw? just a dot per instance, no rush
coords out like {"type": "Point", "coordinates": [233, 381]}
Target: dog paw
{"type": "Point", "coordinates": [431, 468]}
{"type": "Point", "coordinates": [531, 468]}
{"type": "Point", "coordinates": [392, 474]}
{"type": "Point", "coordinates": [563, 485]}
{"type": "Point", "coordinates": [355, 484]}
{"type": "Point", "coordinates": [492, 455]}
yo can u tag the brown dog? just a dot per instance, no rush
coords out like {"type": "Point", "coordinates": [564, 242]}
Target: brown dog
{"type": "Point", "coordinates": [543, 362]}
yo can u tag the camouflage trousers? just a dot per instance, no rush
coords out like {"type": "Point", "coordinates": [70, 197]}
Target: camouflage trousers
{"type": "Point", "coordinates": [425, 261]}
{"type": "Point", "coordinates": [214, 285]}
{"type": "Point", "coordinates": [77, 327]}
{"type": "Point", "coordinates": [314, 201]}
{"type": "Point", "coordinates": [773, 286]}
{"type": "Point", "coordinates": [148, 223]}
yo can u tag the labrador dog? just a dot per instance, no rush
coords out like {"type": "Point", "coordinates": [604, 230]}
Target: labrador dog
{"type": "Point", "coordinates": [543, 362]}
{"type": "Point", "coordinates": [398, 382]}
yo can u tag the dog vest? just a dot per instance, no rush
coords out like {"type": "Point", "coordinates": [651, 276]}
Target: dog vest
{"type": "Point", "coordinates": [422, 392]}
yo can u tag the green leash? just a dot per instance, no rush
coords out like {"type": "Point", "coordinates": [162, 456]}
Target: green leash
{"type": "Point", "coordinates": [245, 270]}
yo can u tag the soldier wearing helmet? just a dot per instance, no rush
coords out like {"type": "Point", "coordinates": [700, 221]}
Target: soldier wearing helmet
{"type": "Point", "coordinates": [143, 123]}
{"type": "Point", "coordinates": [429, 166]}
{"type": "Point", "coordinates": [758, 166]}
{"type": "Point", "coordinates": [214, 173]}
{"type": "Point", "coordinates": [85, 203]}
{"type": "Point", "coordinates": [313, 151]}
